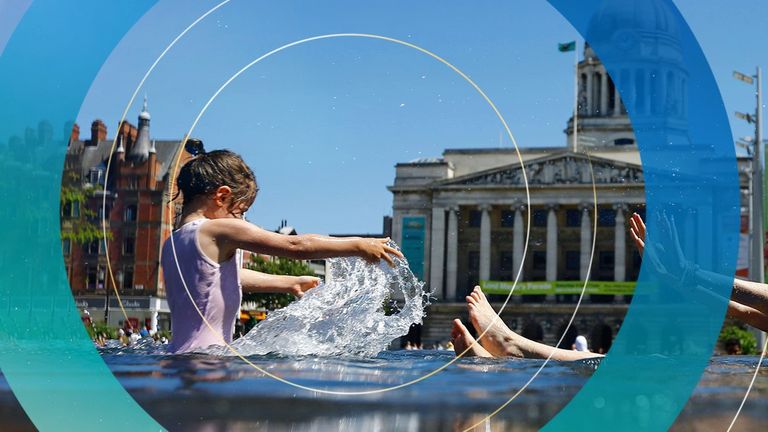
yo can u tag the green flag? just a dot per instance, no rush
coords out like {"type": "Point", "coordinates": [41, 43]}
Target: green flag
{"type": "Point", "coordinates": [568, 46]}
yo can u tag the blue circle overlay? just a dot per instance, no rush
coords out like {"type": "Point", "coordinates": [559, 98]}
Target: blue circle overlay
{"type": "Point", "coordinates": [665, 341]}
{"type": "Point", "coordinates": [46, 355]}
{"type": "Point", "coordinates": [691, 180]}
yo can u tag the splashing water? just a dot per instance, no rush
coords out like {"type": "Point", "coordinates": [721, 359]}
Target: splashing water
{"type": "Point", "coordinates": [343, 316]}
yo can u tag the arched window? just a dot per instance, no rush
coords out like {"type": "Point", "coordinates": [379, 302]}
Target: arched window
{"type": "Point", "coordinates": [570, 336]}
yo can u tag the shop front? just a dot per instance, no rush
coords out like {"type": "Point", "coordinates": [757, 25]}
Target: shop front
{"type": "Point", "coordinates": [152, 312]}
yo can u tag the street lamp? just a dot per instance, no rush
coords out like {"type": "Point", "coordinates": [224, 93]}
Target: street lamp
{"type": "Point", "coordinates": [757, 228]}
{"type": "Point", "coordinates": [757, 265]}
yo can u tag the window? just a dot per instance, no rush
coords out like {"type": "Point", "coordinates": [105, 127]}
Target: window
{"type": "Point", "coordinates": [100, 275]}
{"type": "Point", "coordinates": [76, 209]}
{"type": "Point", "coordinates": [623, 141]}
{"type": "Point", "coordinates": [606, 260]}
{"type": "Point", "coordinates": [90, 278]}
{"type": "Point", "coordinates": [93, 248]}
{"type": "Point", "coordinates": [130, 213]}
{"type": "Point", "coordinates": [474, 260]}
{"type": "Point", "coordinates": [103, 210]}
{"type": "Point", "coordinates": [66, 246]}
{"type": "Point", "coordinates": [540, 218]}
{"type": "Point", "coordinates": [128, 277]}
{"type": "Point", "coordinates": [507, 218]}
{"type": "Point", "coordinates": [474, 218]}
{"type": "Point", "coordinates": [66, 210]}
{"type": "Point", "coordinates": [95, 176]}
{"type": "Point", "coordinates": [572, 218]}
{"type": "Point", "coordinates": [572, 260]}
{"type": "Point", "coordinates": [128, 245]}
{"type": "Point", "coordinates": [606, 217]}
{"type": "Point", "coordinates": [102, 246]}
{"type": "Point", "coordinates": [507, 261]}
{"type": "Point", "coordinates": [539, 260]}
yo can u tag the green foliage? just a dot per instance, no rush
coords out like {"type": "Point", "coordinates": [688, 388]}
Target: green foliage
{"type": "Point", "coordinates": [98, 328]}
{"type": "Point", "coordinates": [82, 229]}
{"type": "Point", "coordinates": [276, 266]}
{"type": "Point", "coordinates": [166, 333]}
{"type": "Point", "coordinates": [738, 332]}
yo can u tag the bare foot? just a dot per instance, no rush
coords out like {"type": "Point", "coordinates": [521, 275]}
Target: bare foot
{"type": "Point", "coordinates": [494, 335]}
{"type": "Point", "coordinates": [462, 340]}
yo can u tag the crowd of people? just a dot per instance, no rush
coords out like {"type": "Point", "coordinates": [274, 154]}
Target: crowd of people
{"type": "Point", "coordinates": [128, 336]}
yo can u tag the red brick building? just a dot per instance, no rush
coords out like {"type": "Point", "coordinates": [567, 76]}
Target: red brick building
{"type": "Point", "coordinates": [130, 186]}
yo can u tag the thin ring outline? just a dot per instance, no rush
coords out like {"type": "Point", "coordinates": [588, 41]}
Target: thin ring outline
{"type": "Point", "coordinates": [370, 36]}
{"type": "Point", "coordinates": [112, 151]}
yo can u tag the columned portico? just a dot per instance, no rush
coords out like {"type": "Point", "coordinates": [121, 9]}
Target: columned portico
{"type": "Point", "coordinates": [452, 254]}
{"type": "Point", "coordinates": [485, 242]}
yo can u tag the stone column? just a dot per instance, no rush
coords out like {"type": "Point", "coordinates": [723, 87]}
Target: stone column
{"type": "Point", "coordinates": [485, 242]}
{"type": "Point", "coordinates": [604, 94]}
{"type": "Point", "coordinates": [451, 271]}
{"type": "Point", "coordinates": [437, 252]}
{"type": "Point", "coordinates": [518, 240]}
{"type": "Point", "coordinates": [620, 245]}
{"type": "Point", "coordinates": [586, 240]}
{"type": "Point", "coordinates": [552, 243]}
{"type": "Point", "coordinates": [590, 106]}
{"type": "Point", "coordinates": [617, 98]}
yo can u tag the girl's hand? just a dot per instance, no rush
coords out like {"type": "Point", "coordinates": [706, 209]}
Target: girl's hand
{"type": "Point", "coordinates": [375, 249]}
{"type": "Point", "coordinates": [303, 284]}
{"type": "Point", "coordinates": [637, 230]}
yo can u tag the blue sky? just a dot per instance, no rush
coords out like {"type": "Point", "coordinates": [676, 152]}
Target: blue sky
{"type": "Point", "coordinates": [323, 124]}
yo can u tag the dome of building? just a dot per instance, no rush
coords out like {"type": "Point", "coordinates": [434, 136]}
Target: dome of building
{"type": "Point", "coordinates": [645, 16]}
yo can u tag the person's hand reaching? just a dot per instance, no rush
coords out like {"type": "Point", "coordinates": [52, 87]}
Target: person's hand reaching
{"type": "Point", "coordinates": [375, 249]}
{"type": "Point", "coordinates": [303, 284]}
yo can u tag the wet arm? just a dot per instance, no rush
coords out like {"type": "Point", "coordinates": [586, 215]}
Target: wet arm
{"type": "Point", "coordinates": [253, 281]}
{"type": "Point", "coordinates": [753, 295]}
{"type": "Point", "coordinates": [749, 315]}
{"type": "Point", "coordinates": [232, 234]}
{"type": "Point", "coordinates": [257, 282]}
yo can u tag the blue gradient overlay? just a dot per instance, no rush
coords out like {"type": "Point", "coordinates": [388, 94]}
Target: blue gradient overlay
{"type": "Point", "coordinates": [691, 176]}
{"type": "Point", "coordinates": [667, 336]}
{"type": "Point", "coordinates": [45, 353]}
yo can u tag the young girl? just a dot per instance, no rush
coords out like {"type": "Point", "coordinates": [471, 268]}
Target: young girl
{"type": "Point", "coordinates": [202, 258]}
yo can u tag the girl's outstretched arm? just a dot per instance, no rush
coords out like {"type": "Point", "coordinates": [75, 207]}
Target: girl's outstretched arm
{"type": "Point", "coordinates": [258, 282]}
{"type": "Point", "coordinates": [229, 234]}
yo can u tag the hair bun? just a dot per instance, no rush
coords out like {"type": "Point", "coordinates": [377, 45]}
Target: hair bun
{"type": "Point", "coordinates": [194, 147]}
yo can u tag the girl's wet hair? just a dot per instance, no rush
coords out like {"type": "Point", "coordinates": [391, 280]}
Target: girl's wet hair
{"type": "Point", "coordinates": [206, 172]}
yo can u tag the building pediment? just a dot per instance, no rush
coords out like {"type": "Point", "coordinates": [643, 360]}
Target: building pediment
{"type": "Point", "coordinates": [557, 169]}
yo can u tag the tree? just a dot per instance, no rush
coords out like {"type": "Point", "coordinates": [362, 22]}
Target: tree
{"type": "Point", "coordinates": [276, 266]}
{"type": "Point", "coordinates": [737, 331]}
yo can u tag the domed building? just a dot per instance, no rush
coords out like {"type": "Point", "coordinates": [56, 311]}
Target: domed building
{"type": "Point", "coordinates": [461, 219]}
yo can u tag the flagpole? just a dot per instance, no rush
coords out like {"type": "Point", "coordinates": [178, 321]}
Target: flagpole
{"type": "Point", "coordinates": [575, 96]}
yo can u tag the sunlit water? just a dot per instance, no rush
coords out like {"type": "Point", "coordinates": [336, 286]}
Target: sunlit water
{"type": "Point", "coordinates": [334, 339]}
{"type": "Point", "coordinates": [345, 315]}
{"type": "Point", "coordinates": [202, 392]}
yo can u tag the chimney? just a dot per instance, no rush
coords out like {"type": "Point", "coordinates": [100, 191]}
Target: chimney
{"type": "Point", "coordinates": [152, 167]}
{"type": "Point", "coordinates": [75, 134]}
{"type": "Point", "coordinates": [98, 132]}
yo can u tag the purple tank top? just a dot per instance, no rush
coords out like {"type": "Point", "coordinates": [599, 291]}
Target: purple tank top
{"type": "Point", "coordinates": [214, 287]}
